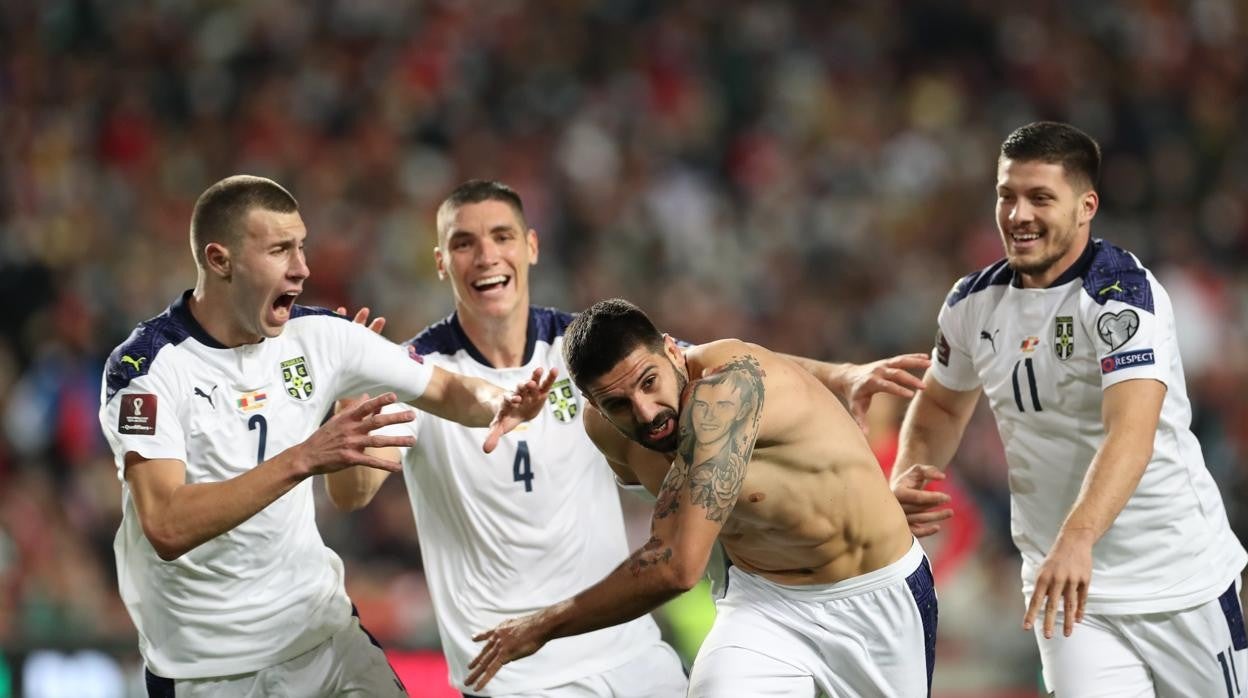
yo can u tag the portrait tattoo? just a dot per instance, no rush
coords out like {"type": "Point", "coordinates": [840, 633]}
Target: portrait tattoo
{"type": "Point", "coordinates": [648, 555]}
{"type": "Point", "coordinates": [718, 428]}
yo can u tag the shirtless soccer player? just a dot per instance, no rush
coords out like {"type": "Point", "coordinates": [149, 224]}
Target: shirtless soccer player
{"type": "Point", "coordinates": [828, 590]}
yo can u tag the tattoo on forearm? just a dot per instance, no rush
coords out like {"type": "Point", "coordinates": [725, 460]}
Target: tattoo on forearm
{"type": "Point", "coordinates": [650, 554]}
{"type": "Point", "coordinates": [717, 432]}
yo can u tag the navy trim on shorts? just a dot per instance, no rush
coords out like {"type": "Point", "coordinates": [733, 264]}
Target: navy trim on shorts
{"type": "Point", "coordinates": [157, 686]}
{"type": "Point", "coordinates": [923, 589]}
{"type": "Point", "coordinates": [1234, 618]}
{"type": "Point", "coordinates": [398, 682]}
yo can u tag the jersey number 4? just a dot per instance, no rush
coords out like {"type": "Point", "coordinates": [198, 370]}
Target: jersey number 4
{"type": "Point", "coordinates": [522, 468]}
{"type": "Point", "coordinates": [1031, 386]}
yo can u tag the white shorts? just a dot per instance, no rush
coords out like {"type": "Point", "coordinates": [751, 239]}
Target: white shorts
{"type": "Point", "coordinates": [872, 635]}
{"type": "Point", "coordinates": [349, 663]}
{"type": "Point", "coordinates": [1199, 651]}
{"type": "Point", "coordinates": [656, 672]}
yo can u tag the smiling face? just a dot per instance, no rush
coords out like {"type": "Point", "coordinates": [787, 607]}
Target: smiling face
{"type": "Point", "coordinates": [1043, 218]}
{"type": "Point", "coordinates": [486, 251]}
{"type": "Point", "coordinates": [716, 407]}
{"type": "Point", "coordinates": [267, 271]}
{"type": "Point", "coordinates": [640, 396]}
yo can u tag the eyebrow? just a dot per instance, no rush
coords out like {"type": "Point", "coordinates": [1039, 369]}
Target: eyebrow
{"type": "Point", "coordinates": [650, 368]}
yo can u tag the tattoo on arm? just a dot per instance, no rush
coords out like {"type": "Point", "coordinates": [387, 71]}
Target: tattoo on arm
{"type": "Point", "coordinates": [718, 428]}
{"type": "Point", "coordinates": [668, 500]}
{"type": "Point", "coordinates": [649, 555]}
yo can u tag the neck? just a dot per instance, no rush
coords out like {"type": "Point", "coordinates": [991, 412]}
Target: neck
{"type": "Point", "coordinates": [1045, 279]}
{"type": "Point", "coordinates": [210, 306]}
{"type": "Point", "coordinates": [500, 340]}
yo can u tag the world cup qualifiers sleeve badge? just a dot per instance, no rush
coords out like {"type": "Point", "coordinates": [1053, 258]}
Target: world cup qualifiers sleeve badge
{"type": "Point", "coordinates": [137, 414]}
{"type": "Point", "coordinates": [297, 378]}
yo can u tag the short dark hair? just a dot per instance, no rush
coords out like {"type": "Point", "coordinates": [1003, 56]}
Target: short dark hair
{"type": "Point", "coordinates": [220, 210]}
{"type": "Point", "coordinates": [1058, 143]}
{"type": "Point", "coordinates": [603, 335]}
{"type": "Point", "coordinates": [474, 191]}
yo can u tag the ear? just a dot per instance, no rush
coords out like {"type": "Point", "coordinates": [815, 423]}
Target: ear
{"type": "Point", "coordinates": [672, 348]}
{"type": "Point", "coordinates": [439, 263]}
{"type": "Point", "coordinates": [1089, 204]}
{"type": "Point", "coordinates": [533, 246]}
{"type": "Point", "coordinates": [217, 260]}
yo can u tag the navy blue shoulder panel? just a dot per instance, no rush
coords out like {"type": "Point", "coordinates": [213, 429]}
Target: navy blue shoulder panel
{"type": "Point", "coordinates": [442, 337]}
{"type": "Point", "coordinates": [998, 273]}
{"type": "Point", "coordinates": [134, 357]}
{"type": "Point", "coordinates": [306, 310]}
{"type": "Point", "coordinates": [547, 324]}
{"type": "Point", "coordinates": [1116, 275]}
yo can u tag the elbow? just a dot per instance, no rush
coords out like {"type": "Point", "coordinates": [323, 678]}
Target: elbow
{"type": "Point", "coordinates": [165, 541]}
{"type": "Point", "coordinates": [349, 503]}
{"type": "Point", "coordinates": [684, 576]}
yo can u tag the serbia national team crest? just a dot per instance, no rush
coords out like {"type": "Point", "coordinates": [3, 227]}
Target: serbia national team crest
{"type": "Point", "coordinates": [296, 378]}
{"type": "Point", "coordinates": [1064, 336]}
{"type": "Point", "coordinates": [562, 401]}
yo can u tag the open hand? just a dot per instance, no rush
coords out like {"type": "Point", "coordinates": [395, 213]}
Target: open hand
{"type": "Point", "coordinates": [361, 318]}
{"type": "Point", "coordinates": [918, 503]}
{"type": "Point", "coordinates": [340, 442]}
{"type": "Point", "coordinates": [510, 640]}
{"type": "Point", "coordinates": [1064, 577]}
{"type": "Point", "coordinates": [892, 376]}
{"type": "Point", "coordinates": [521, 405]}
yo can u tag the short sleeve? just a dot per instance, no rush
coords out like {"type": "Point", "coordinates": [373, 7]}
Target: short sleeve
{"type": "Point", "coordinates": [1131, 341]}
{"type": "Point", "coordinates": [374, 364]}
{"type": "Point", "coordinates": [143, 417]}
{"type": "Point", "coordinates": [952, 366]}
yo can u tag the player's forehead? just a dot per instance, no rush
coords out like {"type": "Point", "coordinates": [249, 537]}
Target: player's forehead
{"type": "Point", "coordinates": [269, 227]}
{"type": "Point", "coordinates": [479, 218]}
{"type": "Point", "coordinates": [724, 390]}
{"type": "Point", "coordinates": [1023, 175]}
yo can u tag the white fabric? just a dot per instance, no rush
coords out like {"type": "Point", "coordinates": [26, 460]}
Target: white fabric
{"type": "Point", "coordinates": [1048, 411]}
{"type": "Point", "coordinates": [864, 636]}
{"type": "Point", "coordinates": [497, 544]}
{"type": "Point", "coordinates": [347, 664]}
{"type": "Point", "coordinates": [655, 673]}
{"type": "Point", "coordinates": [267, 590]}
{"type": "Point", "coordinates": [1168, 655]}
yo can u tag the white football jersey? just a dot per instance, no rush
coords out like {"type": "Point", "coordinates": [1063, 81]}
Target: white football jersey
{"type": "Point", "coordinates": [1043, 358]}
{"type": "Point", "coordinates": [505, 534]}
{"type": "Point", "coordinates": [267, 590]}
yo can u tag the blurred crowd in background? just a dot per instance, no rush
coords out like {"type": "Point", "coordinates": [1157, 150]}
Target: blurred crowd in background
{"type": "Point", "coordinates": [811, 176]}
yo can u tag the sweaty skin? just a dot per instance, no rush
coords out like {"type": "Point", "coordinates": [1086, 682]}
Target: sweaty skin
{"type": "Point", "coordinates": [812, 507]}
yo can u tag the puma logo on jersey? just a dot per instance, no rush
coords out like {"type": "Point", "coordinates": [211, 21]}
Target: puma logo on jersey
{"type": "Point", "coordinates": [136, 363]}
{"type": "Point", "coordinates": [207, 396]}
{"type": "Point", "coordinates": [992, 338]}
{"type": "Point", "coordinates": [1116, 286]}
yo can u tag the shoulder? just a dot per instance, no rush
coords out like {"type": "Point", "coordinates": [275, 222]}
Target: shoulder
{"type": "Point", "coordinates": [1116, 274]}
{"type": "Point", "coordinates": [998, 273]}
{"type": "Point", "coordinates": [137, 356]}
{"type": "Point", "coordinates": [606, 437]}
{"type": "Point", "coordinates": [548, 324]}
{"type": "Point", "coordinates": [441, 337]}
{"type": "Point", "coordinates": [303, 311]}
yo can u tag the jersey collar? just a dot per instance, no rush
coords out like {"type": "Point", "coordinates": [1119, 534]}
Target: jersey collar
{"type": "Point", "coordinates": [1075, 271]}
{"type": "Point", "coordinates": [530, 340]}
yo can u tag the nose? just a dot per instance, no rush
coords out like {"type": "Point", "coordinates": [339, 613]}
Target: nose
{"type": "Point", "coordinates": [1022, 211]}
{"type": "Point", "coordinates": [645, 411]}
{"type": "Point", "coordinates": [487, 252]}
{"type": "Point", "coordinates": [298, 269]}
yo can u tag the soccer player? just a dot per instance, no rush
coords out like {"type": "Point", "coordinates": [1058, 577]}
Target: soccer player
{"type": "Point", "coordinates": [538, 519]}
{"type": "Point", "coordinates": [829, 589]}
{"type": "Point", "coordinates": [212, 411]}
{"type": "Point", "coordinates": [1121, 528]}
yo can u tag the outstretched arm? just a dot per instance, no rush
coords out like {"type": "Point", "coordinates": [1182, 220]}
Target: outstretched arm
{"type": "Point", "coordinates": [477, 403]}
{"type": "Point", "coordinates": [718, 428]}
{"type": "Point", "coordinates": [856, 384]}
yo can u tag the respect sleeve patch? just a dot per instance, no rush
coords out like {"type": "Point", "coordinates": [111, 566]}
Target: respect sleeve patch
{"type": "Point", "coordinates": [1127, 359]}
{"type": "Point", "coordinates": [137, 414]}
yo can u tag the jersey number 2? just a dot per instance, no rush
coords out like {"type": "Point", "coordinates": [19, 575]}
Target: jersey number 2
{"type": "Point", "coordinates": [522, 468]}
{"type": "Point", "coordinates": [259, 421]}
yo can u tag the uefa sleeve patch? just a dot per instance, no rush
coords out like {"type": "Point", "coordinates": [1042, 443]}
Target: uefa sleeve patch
{"type": "Point", "coordinates": [1127, 359]}
{"type": "Point", "coordinates": [414, 355]}
{"type": "Point", "coordinates": [137, 414]}
{"type": "Point", "coordinates": [942, 348]}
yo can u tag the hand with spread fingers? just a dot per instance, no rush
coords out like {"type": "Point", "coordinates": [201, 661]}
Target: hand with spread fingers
{"type": "Point", "coordinates": [892, 375]}
{"type": "Point", "coordinates": [510, 640]}
{"type": "Point", "coordinates": [918, 503]}
{"type": "Point", "coordinates": [340, 442]}
{"type": "Point", "coordinates": [520, 405]}
{"type": "Point", "coordinates": [1063, 580]}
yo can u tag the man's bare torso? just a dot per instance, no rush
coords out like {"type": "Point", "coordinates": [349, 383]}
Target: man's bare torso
{"type": "Point", "coordinates": [814, 507]}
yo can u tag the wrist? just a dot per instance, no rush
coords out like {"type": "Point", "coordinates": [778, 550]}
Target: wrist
{"type": "Point", "coordinates": [1078, 535]}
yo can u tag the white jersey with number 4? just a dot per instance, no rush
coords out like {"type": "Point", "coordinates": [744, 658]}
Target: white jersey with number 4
{"type": "Point", "coordinates": [505, 534]}
{"type": "Point", "coordinates": [267, 590]}
{"type": "Point", "coordinates": [1043, 358]}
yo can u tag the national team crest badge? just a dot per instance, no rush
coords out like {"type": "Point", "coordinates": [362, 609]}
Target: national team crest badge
{"type": "Point", "coordinates": [1064, 336]}
{"type": "Point", "coordinates": [562, 400]}
{"type": "Point", "coordinates": [297, 378]}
